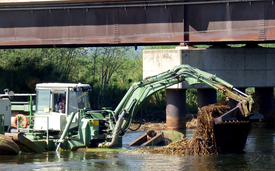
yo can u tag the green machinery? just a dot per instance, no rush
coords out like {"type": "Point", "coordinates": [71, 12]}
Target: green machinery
{"type": "Point", "coordinates": [82, 127]}
{"type": "Point", "coordinates": [105, 128]}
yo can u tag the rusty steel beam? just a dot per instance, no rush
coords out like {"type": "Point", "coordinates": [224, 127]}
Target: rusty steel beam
{"type": "Point", "coordinates": [20, 2]}
{"type": "Point", "coordinates": [192, 22]}
{"type": "Point", "coordinates": [230, 22]}
{"type": "Point", "coordinates": [90, 27]}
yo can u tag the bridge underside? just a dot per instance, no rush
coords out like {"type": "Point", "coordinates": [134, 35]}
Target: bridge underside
{"type": "Point", "coordinates": [136, 23]}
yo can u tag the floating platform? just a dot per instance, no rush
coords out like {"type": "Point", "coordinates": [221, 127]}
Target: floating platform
{"type": "Point", "coordinates": [24, 143]}
{"type": "Point", "coordinates": [8, 146]}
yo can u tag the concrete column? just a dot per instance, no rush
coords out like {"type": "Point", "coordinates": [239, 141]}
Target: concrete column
{"type": "Point", "coordinates": [175, 109]}
{"type": "Point", "coordinates": [206, 96]}
{"type": "Point", "coordinates": [267, 99]}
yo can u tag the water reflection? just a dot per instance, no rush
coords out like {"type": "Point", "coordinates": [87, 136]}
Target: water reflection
{"type": "Point", "coordinates": [258, 155]}
{"type": "Point", "coordinates": [261, 140]}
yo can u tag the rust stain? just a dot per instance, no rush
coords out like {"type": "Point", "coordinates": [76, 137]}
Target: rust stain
{"type": "Point", "coordinates": [154, 25]}
{"type": "Point", "coordinates": [175, 123]}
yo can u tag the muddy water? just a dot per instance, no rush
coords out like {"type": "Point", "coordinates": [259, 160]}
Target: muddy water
{"type": "Point", "coordinates": [259, 155]}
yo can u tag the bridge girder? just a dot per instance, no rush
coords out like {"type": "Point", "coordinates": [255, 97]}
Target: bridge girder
{"type": "Point", "coordinates": [136, 23]}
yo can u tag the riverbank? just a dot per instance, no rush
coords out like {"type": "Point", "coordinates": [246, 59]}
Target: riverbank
{"type": "Point", "coordinates": [189, 125]}
{"type": "Point", "coordinates": [161, 126]}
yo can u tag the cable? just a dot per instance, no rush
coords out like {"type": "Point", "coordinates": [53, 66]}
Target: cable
{"type": "Point", "coordinates": [132, 114]}
{"type": "Point", "coordinates": [139, 123]}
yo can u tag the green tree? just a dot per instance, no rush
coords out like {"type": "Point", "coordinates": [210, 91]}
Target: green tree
{"type": "Point", "coordinates": [110, 71]}
{"type": "Point", "coordinates": [22, 69]}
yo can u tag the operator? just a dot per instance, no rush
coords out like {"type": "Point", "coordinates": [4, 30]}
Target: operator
{"type": "Point", "coordinates": [62, 104]}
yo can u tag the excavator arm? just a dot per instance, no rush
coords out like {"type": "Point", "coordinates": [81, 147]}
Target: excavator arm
{"type": "Point", "coordinates": [140, 91]}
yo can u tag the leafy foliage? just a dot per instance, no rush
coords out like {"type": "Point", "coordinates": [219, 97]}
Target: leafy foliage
{"type": "Point", "coordinates": [191, 101]}
{"type": "Point", "coordinates": [109, 70]}
{"type": "Point", "coordinates": [22, 69]}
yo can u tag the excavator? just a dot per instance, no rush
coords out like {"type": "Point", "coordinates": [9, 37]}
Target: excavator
{"type": "Point", "coordinates": [105, 128]}
{"type": "Point", "coordinates": [82, 127]}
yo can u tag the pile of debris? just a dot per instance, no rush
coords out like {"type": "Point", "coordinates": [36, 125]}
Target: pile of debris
{"type": "Point", "coordinates": [208, 139]}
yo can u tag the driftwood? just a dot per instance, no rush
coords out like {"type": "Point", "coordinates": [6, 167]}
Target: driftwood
{"type": "Point", "coordinates": [208, 139]}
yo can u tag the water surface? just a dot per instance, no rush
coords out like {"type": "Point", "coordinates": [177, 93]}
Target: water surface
{"type": "Point", "coordinates": [258, 155]}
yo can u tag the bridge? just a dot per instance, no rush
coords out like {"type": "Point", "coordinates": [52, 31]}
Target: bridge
{"type": "Point", "coordinates": [75, 23]}
{"type": "Point", "coordinates": [85, 23]}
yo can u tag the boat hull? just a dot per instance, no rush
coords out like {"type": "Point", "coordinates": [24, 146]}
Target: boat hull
{"type": "Point", "coordinates": [8, 146]}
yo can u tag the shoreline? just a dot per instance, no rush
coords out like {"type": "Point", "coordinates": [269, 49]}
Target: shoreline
{"type": "Point", "coordinates": [159, 126]}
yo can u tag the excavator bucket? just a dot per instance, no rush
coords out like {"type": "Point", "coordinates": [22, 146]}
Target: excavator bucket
{"type": "Point", "coordinates": [235, 115]}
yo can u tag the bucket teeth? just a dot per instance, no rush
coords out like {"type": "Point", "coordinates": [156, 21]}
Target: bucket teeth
{"type": "Point", "coordinates": [232, 122]}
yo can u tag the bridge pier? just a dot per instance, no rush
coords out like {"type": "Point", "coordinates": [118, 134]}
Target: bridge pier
{"type": "Point", "coordinates": [175, 109]}
{"type": "Point", "coordinates": [266, 99]}
{"type": "Point", "coordinates": [241, 67]}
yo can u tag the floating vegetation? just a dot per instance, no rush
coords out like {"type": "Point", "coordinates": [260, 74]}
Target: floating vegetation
{"type": "Point", "coordinates": [208, 139]}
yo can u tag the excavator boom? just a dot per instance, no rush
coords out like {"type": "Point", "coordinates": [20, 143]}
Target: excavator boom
{"type": "Point", "coordinates": [140, 91]}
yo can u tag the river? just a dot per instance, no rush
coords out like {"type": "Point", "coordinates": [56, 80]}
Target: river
{"type": "Point", "coordinates": [258, 155]}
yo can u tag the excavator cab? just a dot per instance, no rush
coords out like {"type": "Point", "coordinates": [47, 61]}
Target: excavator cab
{"type": "Point", "coordinates": [49, 95]}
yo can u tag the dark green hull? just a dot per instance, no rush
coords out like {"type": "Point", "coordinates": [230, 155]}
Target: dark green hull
{"type": "Point", "coordinates": [8, 146]}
